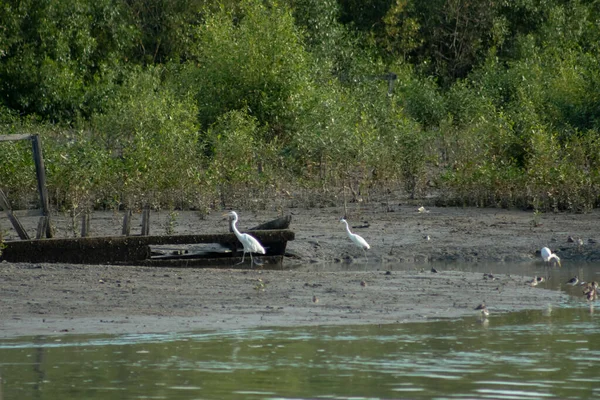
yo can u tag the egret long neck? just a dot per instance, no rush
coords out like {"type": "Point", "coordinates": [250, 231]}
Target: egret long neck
{"type": "Point", "coordinates": [235, 229]}
{"type": "Point", "coordinates": [347, 227]}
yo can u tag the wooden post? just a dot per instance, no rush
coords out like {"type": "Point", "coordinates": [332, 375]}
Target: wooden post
{"type": "Point", "coordinates": [127, 223]}
{"type": "Point", "coordinates": [13, 219]}
{"type": "Point", "coordinates": [85, 224]}
{"type": "Point", "coordinates": [146, 221]}
{"type": "Point", "coordinates": [42, 228]}
{"type": "Point", "coordinates": [40, 171]}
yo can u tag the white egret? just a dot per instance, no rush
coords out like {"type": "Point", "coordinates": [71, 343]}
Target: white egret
{"type": "Point", "coordinates": [250, 243]}
{"type": "Point", "coordinates": [357, 239]}
{"type": "Point", "coordinates": [548, 256]}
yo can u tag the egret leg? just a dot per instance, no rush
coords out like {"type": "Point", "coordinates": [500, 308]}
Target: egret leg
{"type": "Point", "coordinates": [366, 258]}
{"type": "Point", "coordinates": [244, 255]}
{"type": "Point", "coordinates": [251, 260]}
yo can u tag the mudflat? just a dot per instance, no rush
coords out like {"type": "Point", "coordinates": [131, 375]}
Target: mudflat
{"type": "Point", "coordinates": [325, 279]}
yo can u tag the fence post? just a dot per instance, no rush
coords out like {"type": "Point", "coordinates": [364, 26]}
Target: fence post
{"type": "Point", "coordinates": [127, 223]}
{"type": "Point", "coordinates": [146, 221]}
{"type": "Point", "coordinates": [41, 180]}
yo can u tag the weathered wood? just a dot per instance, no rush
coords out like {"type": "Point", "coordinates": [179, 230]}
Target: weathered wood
{"type": "Point", "coordinates": [42, 227]}
{"type": "Point", "coordinates": [14, 138]}
{"type": "Point", "coordinates": [268, 262]}
{"type": "Point", "coordinates": [85, 224]}
{"type": "Point", "coordinates": [146, 221]}
{"type": "Point", "coordinates": [128, 249]}
{"type": "Point", "coordinates": [127, 223]}
{"type": "Point", "coordinates": [104, 250]}
{"type": "Point", "coordinates": [11, 217]}
{"type": "Point", "coordinates": [278, 223]}
{"type": "Point", "coordinates": [40, 171]}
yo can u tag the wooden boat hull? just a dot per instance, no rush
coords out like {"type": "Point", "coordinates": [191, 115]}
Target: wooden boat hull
{"type": "Point", "coordinates": [137, 250]}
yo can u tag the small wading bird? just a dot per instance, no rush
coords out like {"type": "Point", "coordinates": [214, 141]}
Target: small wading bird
{"type": "Point", "coordinates": [250, 243]}
{"type": "Point", "coordinates": [536, 280]}
{"type": "Point", "coordinates": [533, 282]}
{"type": "Point", "coordinates": [484, 310]}
{"type": "Point", "coordinates": [550, 257]}
{"type": "Point", "coordinates": [591, 290]}
{"type": "Point", "coordinates": [573, 281]}
{"type": "Point", "coordinates": [356, 239]}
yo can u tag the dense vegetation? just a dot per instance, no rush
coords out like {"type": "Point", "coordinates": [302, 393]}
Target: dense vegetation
{"type": "Point", "coordinates": [196, 104]}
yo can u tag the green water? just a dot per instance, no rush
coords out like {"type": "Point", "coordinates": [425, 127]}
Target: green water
{"type": "Point", "coordinates": [537, 354]}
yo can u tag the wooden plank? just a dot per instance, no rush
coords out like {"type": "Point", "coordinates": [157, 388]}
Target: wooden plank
{"type": "Point", "coordinates": [88, 250]}
{"type": "Point", "coordinates": [13, 138]}
{"type": "Point", "coordinates": [13, 219]}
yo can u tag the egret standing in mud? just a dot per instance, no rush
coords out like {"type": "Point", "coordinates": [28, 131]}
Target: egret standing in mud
{"type": "Point", "coordinates": [250, 243]}
{"type": "Point", "coordinates": [357, 239]}
{"type": "Point", "coordinates": [550, 257]}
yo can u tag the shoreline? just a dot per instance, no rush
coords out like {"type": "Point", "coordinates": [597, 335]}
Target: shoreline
{"type": "Point", "coordinates": [59, 299]}
{"type": "Point", "coordinates": [128, 302]}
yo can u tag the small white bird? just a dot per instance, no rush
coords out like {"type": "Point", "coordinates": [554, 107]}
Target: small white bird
{"type": "Point", "coordinates": [548, 256]}
{"type": "Point", "coordinates": [250, 243]}
{"type": "Point", "coordinates": [357, 239]}
{"type": "Point", "coordinates": [573, 281]}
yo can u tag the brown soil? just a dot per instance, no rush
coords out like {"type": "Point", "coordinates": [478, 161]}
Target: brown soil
{"type": "Point", "coordinates": [324, 281]}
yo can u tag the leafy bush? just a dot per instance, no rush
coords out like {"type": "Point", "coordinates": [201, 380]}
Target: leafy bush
{"type": "Point", "coordinates": [252, 59]}
{"type": "Point", "coordinates": [170, 103]}
{"type": "Point", "coordinates": [152, 139]}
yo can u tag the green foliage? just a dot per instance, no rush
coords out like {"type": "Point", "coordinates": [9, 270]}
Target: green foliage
{"type": "Point", "coordinates": [53, 52]}
{"type": "Point", "coordinates": [252, 59]}
{"type": "Point", "coordinates": [423, 101]}
{"type": "Point", "coordinates": [233, 143]}
{"type": "Point", "coordinates": [177, 103]}
{"type": "Point", "coordinates": [77, 170]}
{"type": "Point", "coordinates": [444, 38]}
{"type": "Point", "coordinates": [563, 177]}
{"type": "Point", "coordinates": [401, 30]}
{"type": "Point", "coordinates": [17, 174]}
{"type": "Point", "coordinates": [166, 28]}
{"type": "Point", "coordinates": [151, 138]}
{"type": "Point", "coordinates": [240, 166]}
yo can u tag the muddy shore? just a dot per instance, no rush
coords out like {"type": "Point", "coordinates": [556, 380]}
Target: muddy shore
{"type": "Point", "coordinates": [325, 280]}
